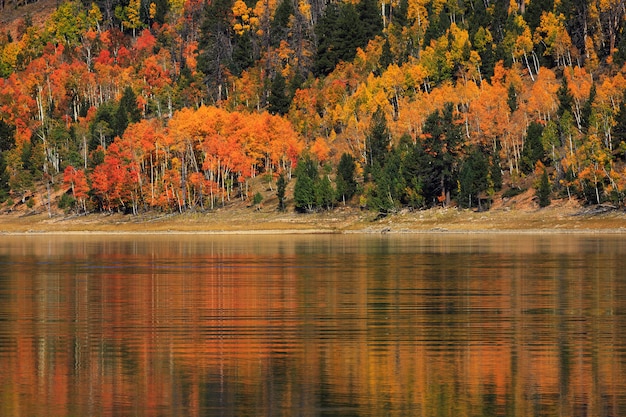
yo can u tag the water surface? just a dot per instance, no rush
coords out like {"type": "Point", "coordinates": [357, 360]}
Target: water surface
{"type": "Point", "coordinates": [433, 325]}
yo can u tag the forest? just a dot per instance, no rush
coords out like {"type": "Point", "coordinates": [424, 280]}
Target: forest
{"type": "Point", "coordinates": [177, 105]}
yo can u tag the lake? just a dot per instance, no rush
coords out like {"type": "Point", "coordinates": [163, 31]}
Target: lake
{"type": "Point", "coordinates": [320, 325]}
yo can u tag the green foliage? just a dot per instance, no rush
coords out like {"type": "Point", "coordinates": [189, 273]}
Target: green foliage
{"type": "Point", "coordinates": [214, 47]}
{"type": "Point", "coordinates": [341, 30]}
{"type": "Point", "coordinates": [304, 191]}
{"type": "Point", "coordinates": [278, 100]}
{"type": "Point", "coordinates": [543, 190]}
{"type": "Point", "coordinates": [586, 111]}
{"type": "Point", "coordinates": [378, 139]}
{"type": "Point", "coordinates": [66, 202]}
{"type": "Point", "coordinates": [281, 187]}
{"type": "Point", "coordinates": [473, 178]}
{"type": "Point", "coordinates": [346, 183]}
{"type": "Point", "coordinates": [619, 130]}
{"type": "Point", "coordinates": [512, 98]}
{"type": "Point", "coordinates": [533, 148]}
{"type": "Point", "coordinates": [324, 193]}
{"type": "Point", "coordinates": [565, 98]}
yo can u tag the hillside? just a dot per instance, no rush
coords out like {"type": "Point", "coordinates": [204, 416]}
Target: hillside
{"type": "Point", "coordinates": [172, 107]}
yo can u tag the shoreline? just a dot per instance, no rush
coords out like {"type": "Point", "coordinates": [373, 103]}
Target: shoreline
{"type": "Point", "coordinates": [340, 221]}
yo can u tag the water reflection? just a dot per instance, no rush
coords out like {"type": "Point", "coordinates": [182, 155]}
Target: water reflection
{"type": "Point", "coordinates": [439, 325]}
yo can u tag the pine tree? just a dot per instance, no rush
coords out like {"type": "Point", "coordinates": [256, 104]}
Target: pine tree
{"type": "Point", "coordinates": [512, 98]}
{"type": "Point", "coordinates": [533, 148]}
{"type": "Point", "coordinates": [346, 184]}
{"type": "Point", "coordinates": [586, 111]}
{"type": "Point", "coordinates": [473, 179]}
{"type": "Point", "coordinates": [618, 136]}
{"type": "Point", "coordinates": [565, 97]}
{"type": "Point", "coordinates": [324, 193]}
{"type": "Point", "coordinates": [215, 47]}
{"type": "Point", "coordinates": [378, 139]}
{"type": "Point", "coordinates": [543, 191]}
{"type": "Point", "coordinates": [278, 101]}
{"type": "Point", "coordinates": [304, 191]}
{"type": "Point", "coordinates": [281, 187]}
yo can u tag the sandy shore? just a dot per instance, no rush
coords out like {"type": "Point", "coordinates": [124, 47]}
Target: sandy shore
{"type": "Point", "coordinates": [248, 221]}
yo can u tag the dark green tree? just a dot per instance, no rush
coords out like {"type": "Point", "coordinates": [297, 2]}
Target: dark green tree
{"type": "Point", "coordinates": [278, 100]}
{"type": "Point", "coordinates": [7, 142]}
{"type": "Point", "coordinates": [386, 57]}
{"type": "Point", "coordinates": [215, 46]}
{"type": "Point", "coordinates": [378, 139]}
{"type": "Point", "coordinates": [512, 98]}
{"type": "Point", "coordinates": [618, 135]}
{"type": "Point", "coordinates": [304, 191]}
{"type": "Point", "coordinates": [243, 53]}
{"type": "Point", "coordinates": [586, 111]}
{"type": "Point", "coordinates": [443, 140]}
{"type": "Point", "coordinates": [543, 190]}
{"type": "Point", "coordinates": [387, 189]}
{"type": "Point", "coordinates": [324, 193]}
{"type": "Point", "coordinates": [346, 184]}
{"type": "Point", "coordinates": [281, 188]}
{"type": "Point", "coordinates": [533, 148]}
{"type": "Point", "coordinates": [279, 28]}
{"type": "Point", "coordinates": [565, 97]}
{"type": "Point", "coordinates": [473, 179]}
{"type": "Point", "coordinates": [341, 30]}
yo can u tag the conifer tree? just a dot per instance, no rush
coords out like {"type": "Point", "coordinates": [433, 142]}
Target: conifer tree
{"type": "Point", "coordinates": [346, 184]}
{"type": "Point", "coordinates": [281, 187]}
{"type": "Point", "coordinates": [543, 191]}
{"type": "Point", "coordinates": [278, 100]}
{"type": "Point", "coordinates": [473, 179]}
{"type": "Point", "coordinates": [378, 139]}
{"type": "Point", "coordinates": [304, 191]}
{"type": "Point", "coordinates": [533, 148]}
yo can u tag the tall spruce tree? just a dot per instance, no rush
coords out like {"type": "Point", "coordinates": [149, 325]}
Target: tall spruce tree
{"type": "Point", "coordinates": [543, 190]}
{"type": "Point", "coordinates": [346, 183]}
{"type": "Point", "coordinates": [378, 139]}
{"type": "Point", "coordinates": [533, 148]}
{"type": "Point", "coordinates": [278, 100]}
{"type": "Point", "coordinates": [473, 179]}
{"type": "Point", "coordinates": [281, 188]}
{"type": "Point", "coordinates": [304, 191]}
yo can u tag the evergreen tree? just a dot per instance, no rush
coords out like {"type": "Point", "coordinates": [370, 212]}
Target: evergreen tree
{"type": "Point", "coordinates": [7, 142]}
{"type": "Point", "coordinates": [386, 58]}
{"type": "Point", "coordinates": [473, 179]}
{"type": "Point", "coordinates": [586, 111]}
{"type": "Point", "coordinates": [281, 187]}
{"type": "Point", "coordinates": [278, 101]}
{"type": "Point", "coordinates": [443, 141]}
{"type": "Point", "coordinates": [618, 136]}
{"type": "Point", "coordinates": [388, 186]}
{"type": "Point", "coordinates": [304, 191]}
{"type": "Point", "coordinates": [243, 54]}
{"type": "Point", "coordinates": [533, 148]}
{"type": "Point", "coordinates": [324, 193]}
{"type": "Point", "coordinates": [215, 46]}
{"type": "Point", "coordinates": [341, 30]}
{"type": "Point", "coordinates": [378, 139]}
{"type": "Point", "coordinates": [420, 177]}
{"type": "Point", "coordinates": [279, 28]}
{"type": "Point", "coordinates": [512, 98]}
{"type": "Point", "coordinates": [346, 184]}
{"type": "Point", "coordinates": [543, 191]}
{"type": "Point", "coordinates": [495, 168]}
{"type": "Point", "coordinates": [565, 97]}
